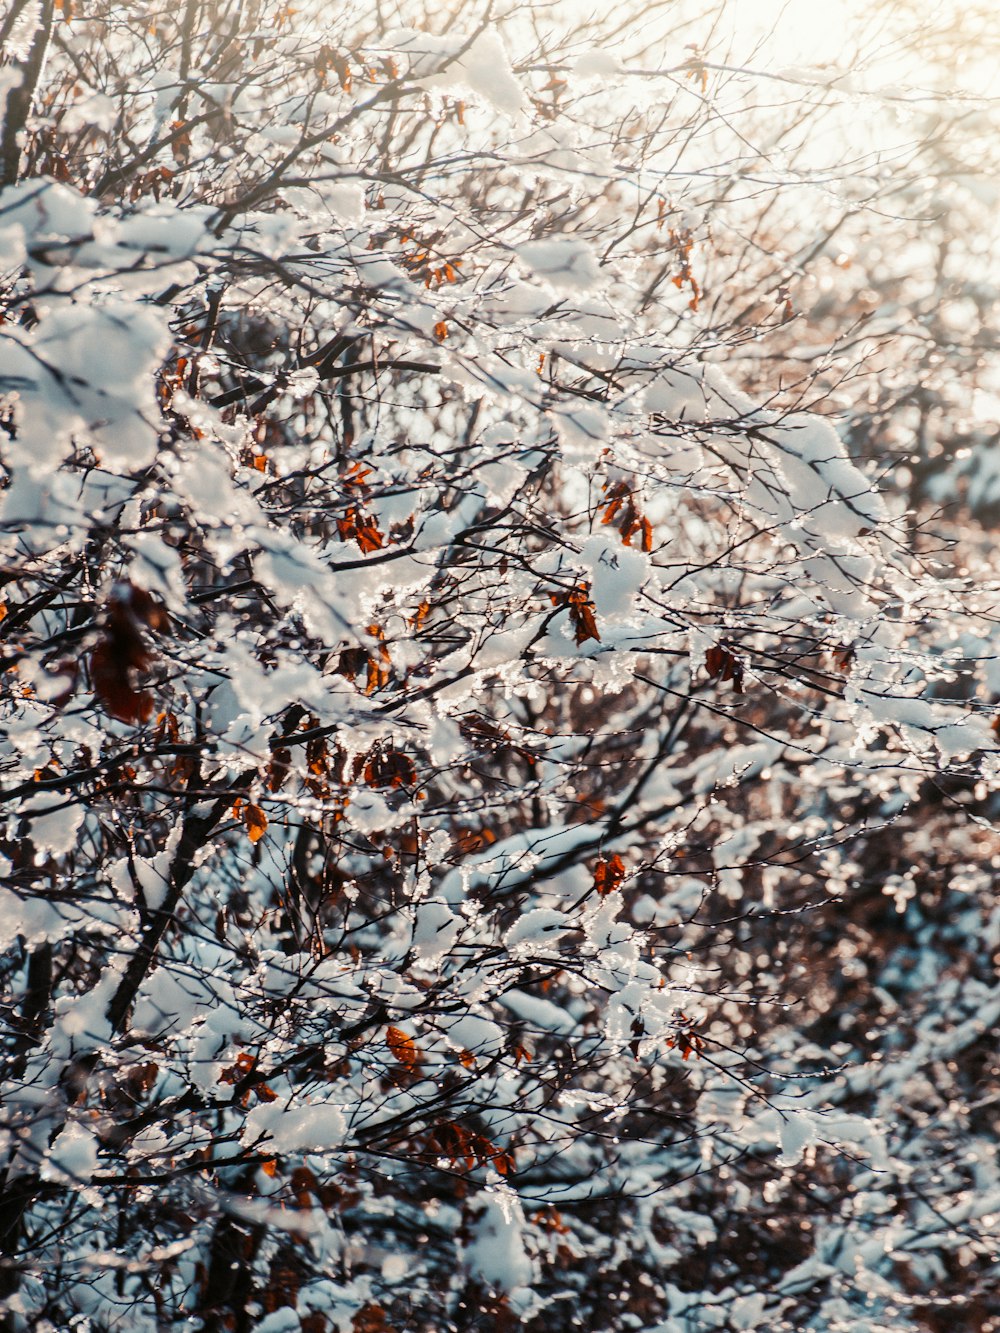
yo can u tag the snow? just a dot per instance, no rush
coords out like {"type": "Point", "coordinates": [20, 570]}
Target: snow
{"type": "Point", "coordinates": [538, 1013]}
{"type": "Point", "coordinates": [678, 394]}
{"type": "Point", "coordinates": [821, 482]}
{"type": "Point", "coordinates": [616, 574]}
{"type": "Point", "coordinates": [436, 929]}
{"type": "Point", "coordinates": [542, 926]}
{"type": "Point", "coordinates": [293, 1125]}
{"type": "Point", "coordinates": [482, 68]}
{"type": "Point", "coordinates": [581, 431]}
{"type": "Point", "coordinates": [46, 212]}
{"type": "Point", "coordinates": [162, 229]}
{"type": "Point", "coordinates": [35, 919]}
{"type": "Point", "coordinates": [280, 1321]}
{"type": "Point", "coordinates": [73, 1156]}
{"type": "Point", "coordinates": [86, 373]}
{"type": "Point", "coordinates": [54, 828]}
{"type": "Point", "coordinates": [476, 1034]}
{"type": "Point", "coordinates": [597, 63]}
{"type": "Point", "coordinates": [566, 263]}
{"type": "Point", "coordinates": [496, 1254]}
{"type": "Point", "coordinates": [152, 874]}
{"type": "Point", "coordinates": [369, 812]}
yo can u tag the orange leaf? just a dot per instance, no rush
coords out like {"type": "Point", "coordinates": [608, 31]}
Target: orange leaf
{"type": "Point", "coordinates": [368, 536]}
{"type": "Point", "coordinates": [244, 1064]}
{"type": "Point", "coordinates": [390, 768]}
{"type": "Point", "coordinates": [110, 674]}
{"type": "Point", "coordinates": [167, 728]}
{"type": "Point", "coordinates": [356, 476]}
{"type": "Point", "coordinates": [256, 822]}
{"type": "Point", "coordinates": [622, 511]}
{"type": "Point", "coordinates": [304, 1183]}
{"type": "Point", "coordinates": [363, 529]}
{"type": "Point", "coordinates": [440, 330]}
{"type": "Point", "coordinates": [616, 496]}
{"type": "Point", "coordinates": [688, 1043]}
{"type": "Point", "coordinates": [608, 874]}
{"type": "Point", "coordinates": [403, 1047]}
{"type": "Point", "coordinates": [370, 1319]}
{"type": "Point", "coordinates": [377, 673]}
{"type": "Point", "coordinates": [581, 613]}
{"type": "Point", "coordinates": [278, 767]}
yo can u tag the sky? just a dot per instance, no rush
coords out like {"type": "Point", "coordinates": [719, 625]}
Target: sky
{"type": "Point", "coordinates": [888, 39]}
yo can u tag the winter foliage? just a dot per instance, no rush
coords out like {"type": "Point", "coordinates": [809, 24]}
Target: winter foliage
{"type": "Point", "coordinates": [499, 744]}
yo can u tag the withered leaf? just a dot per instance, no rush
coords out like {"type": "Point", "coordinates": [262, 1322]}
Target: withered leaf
{"type": "Point", "coordinates": [721, 663]}
{"type": "Point", "coordinates": [362, 527]}
{"type": "Point", "coordinates": [121, 653]}
{"type": "Point", "coordinates": [581, 612]}
{"type": "Point", "coordinates": [608, 874]}
{"type": "Point", "coordinates": [255, 821]}
{"type": "Point", "coordinates": [390, 768]}
{"type": "Point", "coordinates": [403, 1047]}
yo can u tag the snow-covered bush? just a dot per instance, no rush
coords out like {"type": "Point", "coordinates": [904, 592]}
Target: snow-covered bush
{"type": "Point", "coordinates": [497, 796]}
